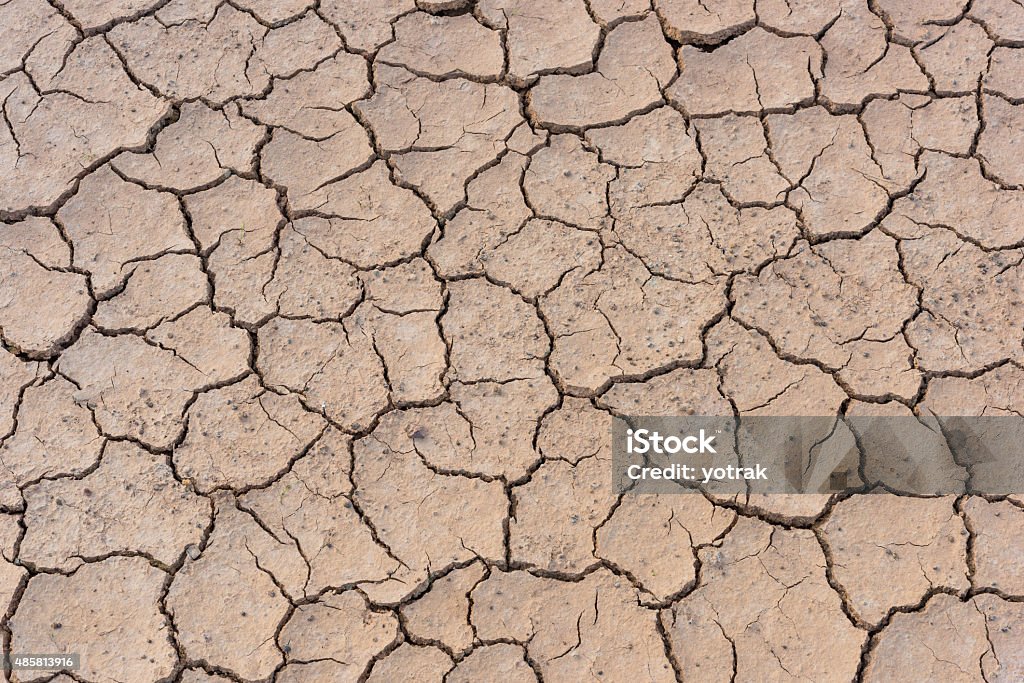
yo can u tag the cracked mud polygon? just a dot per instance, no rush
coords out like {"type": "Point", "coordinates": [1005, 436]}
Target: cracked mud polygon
{"type": "Point", "coordinates": [315, 314]}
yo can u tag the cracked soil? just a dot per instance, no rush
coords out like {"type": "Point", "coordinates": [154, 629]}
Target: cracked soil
{"type": "Point", "coordinates": [314, 315]}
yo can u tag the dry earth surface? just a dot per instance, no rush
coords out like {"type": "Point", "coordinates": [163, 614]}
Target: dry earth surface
{"type": "Point", "coordinates": [314, 314]}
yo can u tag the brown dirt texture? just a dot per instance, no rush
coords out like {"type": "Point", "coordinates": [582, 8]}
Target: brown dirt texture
{"type": "Point", "coordinates": [314, 315]}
